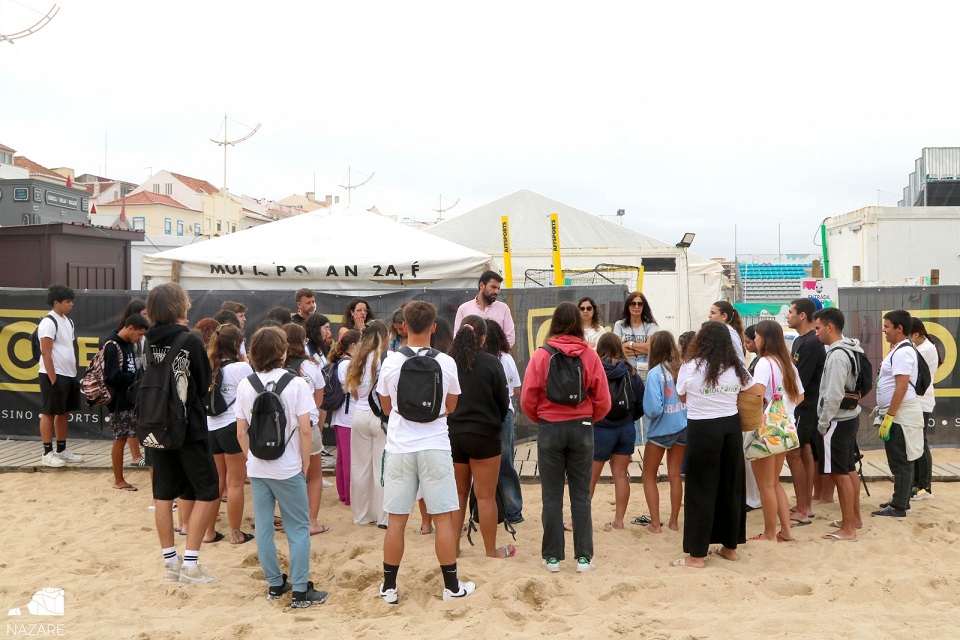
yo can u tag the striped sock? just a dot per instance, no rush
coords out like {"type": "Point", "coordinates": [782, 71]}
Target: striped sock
{"type": "Point", "coordinates": [169, 555]}
{"type": "Point", "coordinates": [190, 558]}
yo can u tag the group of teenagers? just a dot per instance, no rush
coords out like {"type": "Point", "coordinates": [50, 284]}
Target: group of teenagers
{"type": "Point", "coordinates": [640, 386]}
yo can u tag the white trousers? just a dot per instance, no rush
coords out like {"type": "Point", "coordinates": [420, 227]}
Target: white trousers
{"type": "Point", "coordinates": [367, 441]}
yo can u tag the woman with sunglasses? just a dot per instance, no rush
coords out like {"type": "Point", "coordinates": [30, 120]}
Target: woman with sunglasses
{"type": "Point", "coordinates": [635, 326]}
{"type": "Point", "coordinates": [592, 319]}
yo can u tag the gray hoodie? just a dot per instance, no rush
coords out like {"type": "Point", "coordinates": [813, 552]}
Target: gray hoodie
{"type": "Point", "coordinates": [838, 377]}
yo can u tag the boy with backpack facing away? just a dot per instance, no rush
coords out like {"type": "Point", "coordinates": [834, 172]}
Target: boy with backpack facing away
{"type": "Point", "coordinates": [183, 465]}
{"type": "Point", "coordinates": [120, 370]}
{"type": "Point", "coordinates": [418, 386]}
{"type": "Point", "coordinates": [838, 418]}
{"type": "Point", "coordinates": [59, 388]}
{"type": "Point", "coordinates": [273, 426]}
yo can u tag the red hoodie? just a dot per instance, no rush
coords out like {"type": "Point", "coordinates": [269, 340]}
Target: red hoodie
{"type": "Point", "coordinates": [533, 399]}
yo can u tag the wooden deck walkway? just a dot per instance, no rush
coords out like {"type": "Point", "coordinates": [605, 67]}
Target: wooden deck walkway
{"type": "Point", "coordinates": [24, 455]}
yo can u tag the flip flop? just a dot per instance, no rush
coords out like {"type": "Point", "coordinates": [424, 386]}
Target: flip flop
{"type": "Point", "coordinates": [216, 538]}
{"type": "Point", "coordinates": [718, 551]}
{"type": "Point", "coordinates": [323, 529]}
{"type": "Point", "coordinates": [642, 520]}
{"type": "Point", "coordinates": [780, 538]}
{"type": "Point", "coordinates": [142, 462]}
{"type": "Point", "coordinates": [247, 537]}
{"type": "Point", "coordinates": [833, 537]}
{"type": "Point", "coordinates": [682, 562]}
{"type": "Point", "coordinates": [128, 487]}
{"type": "Point", "coordinates": [509, 551]}
{"type": "Point", "coordinates": [836, 524]}
{"type": "Point", "coordinates": [425, 533]}
{"type": "Point", "coordinates": [797, 522]}
{"type": "Point", "coordinates": [758, 537]}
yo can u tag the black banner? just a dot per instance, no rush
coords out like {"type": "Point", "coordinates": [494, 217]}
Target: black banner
{"type": "Point", "coordinates": [96, 313]}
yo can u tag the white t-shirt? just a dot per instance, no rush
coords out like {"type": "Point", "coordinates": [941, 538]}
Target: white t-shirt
{"type": "Point", "coordinates": [761, 375]}
{"type": "Point", "coordinates": [705, 402]}
{"type": "Point", "coordinates": [737, 344]}
{"type": "Point", "coordinates": [592, 335]}
{"type": "Point", "coordinates": [297, 400]}
{"type": "Point", "coordinates": [343, 416]}
{"type": "Point", "coordinates": [233, 373]}
{"type": "Point", "coordinates": [904, 364]}
{"type": "Point", "coordinates": [366, 386]}
{"type": "Point", "coordinates": [929, 352]}
{"type": "Point", "coordinates": [313, 375]}
{"type": "Point", "coordinates": [64, 358]}
{"type": "Point", "coordinates": [409, 437]}
{"type": "Point", "coordinates": [512, 373]}
{"type": "Point", "coordinates": [629, 333]}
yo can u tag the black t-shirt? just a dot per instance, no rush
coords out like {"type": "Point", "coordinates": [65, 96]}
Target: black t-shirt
{"type": "Point", "coordinates": [298, 319]}
{"type": "Point", "coordinates": [808, 356]}
{"type": "Point", "coordinates": [193, 366]}
{"type": "Point", "coordinates": [483, 402]}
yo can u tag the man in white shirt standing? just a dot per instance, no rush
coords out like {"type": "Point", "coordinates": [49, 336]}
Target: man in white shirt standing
{"type": "Point", "coordinates": [900, 416]}
{"type": "Point", "coordinates": [59, 387]}
{"type": "Point", "coordinates": [923, 467]}
{"type": "Point", "coordinates": [487, 306]}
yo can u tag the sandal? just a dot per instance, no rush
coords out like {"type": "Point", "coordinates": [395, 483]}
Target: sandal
{"type": "Point", "coordinates": [682, 562]}
{"type": "Point", "coordinates": [216, 538]}
{"type": "Point", "coordinates": [323, 529]}
{"type": "Point", "coordinates": [508, 551]}
{"type": "Point", "coordinates": [642, 520]}
{"type": "Point", "coordinates": [142, 462]}
{"type": "Point", "coordinates": [247, 537]}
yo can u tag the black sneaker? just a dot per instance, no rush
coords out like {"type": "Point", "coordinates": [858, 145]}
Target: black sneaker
{"type": "Point", "coordinates": [275, 593]}
{"type": "Point", "coordinates": [310, 597]}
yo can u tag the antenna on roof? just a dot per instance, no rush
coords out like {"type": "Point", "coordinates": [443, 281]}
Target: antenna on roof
{"type": "Point", "coordinates": [225, 143]}
{"type": "Point", "coordinates": [350, 186]}
{"type": "Point", "coordinates": [440, 210]}
{"type": "Point", "coordinates": [40, 24]}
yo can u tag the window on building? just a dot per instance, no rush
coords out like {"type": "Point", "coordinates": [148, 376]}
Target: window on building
{"type": "Point", "coordinates": [179, 227]}
{"type": "Point", "coordinates": [219, 225]}
{"type": "Point", "coordinates": [156, 187]}
{"type": "Point", "coordinates": [6, 158]}
{"type": "Point", "coordinates": [196, 229]}
{"type": "Point", "coordinates": [168, 188]}
{"type": "Point", "coordinates": [206, 224]}
{"type": "Point", "coordinates": [139, 222]}
{"type": "Point", "coordinates": [167, 226]}
{"type": "Point", "coordinates": [233, 228]}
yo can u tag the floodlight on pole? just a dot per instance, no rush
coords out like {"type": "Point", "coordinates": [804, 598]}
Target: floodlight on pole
{"type": "Point", "coordinates": [686, 241]}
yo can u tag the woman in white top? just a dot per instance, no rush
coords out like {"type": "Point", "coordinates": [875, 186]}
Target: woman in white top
{"type": "Point", "coordinates": [635, 326]}
{"type": "Point", "coordinates": [775, 375]}
{"type": "Point", "coordinates": [592, 318]}
{"type": "Point", "coordinates": [342, 418]}
{"type": "Point", "coordinates": [367, 435]}
{"type": "Point", "coordinates": [227, 370]}
{"type": "Point", "coordinates": [723, 311]}
{"type": "Point", "coordinates": [714, 496]}
{"type": "Point", "coordinates": [310, 369]}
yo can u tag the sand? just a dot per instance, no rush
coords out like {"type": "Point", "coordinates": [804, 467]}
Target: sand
{"type": "Point", "coordinates": [71, 529]}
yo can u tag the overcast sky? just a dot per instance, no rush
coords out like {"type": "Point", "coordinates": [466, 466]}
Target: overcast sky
{"type": "Point", "coordinates": [694, 116]}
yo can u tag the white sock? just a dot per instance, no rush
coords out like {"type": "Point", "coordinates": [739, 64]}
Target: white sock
{"type": "Point", "coordinates": [190, 558]}
{"type": "Point", "coordinates": [169, 555]}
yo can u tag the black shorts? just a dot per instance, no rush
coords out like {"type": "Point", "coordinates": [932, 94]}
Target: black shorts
{"type": "Point", "coordinates": [59, 398]}
{"type": "Point", "coordinates": [840, 448]}
{"type": "Point", "coordinates": [807, 431]}
{"type": "Point", "coordinates": [188, 472]}
{"type": "Point", "coordinates": [224, 440]}
{"type": "Point", "coordinates": [470, 446]}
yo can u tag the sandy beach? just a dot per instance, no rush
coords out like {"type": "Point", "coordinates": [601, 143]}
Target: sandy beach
{"type": "Point", "coordinates": [71, 529]}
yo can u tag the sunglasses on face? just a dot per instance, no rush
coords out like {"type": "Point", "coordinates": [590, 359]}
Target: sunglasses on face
{"type": "Point", "coordinates": [586, 308]}
{"type": "Point", "coordinates": [636, 303]}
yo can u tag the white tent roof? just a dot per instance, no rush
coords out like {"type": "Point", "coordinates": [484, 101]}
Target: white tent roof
{"type": "Point", "coordinates": [336, 248]}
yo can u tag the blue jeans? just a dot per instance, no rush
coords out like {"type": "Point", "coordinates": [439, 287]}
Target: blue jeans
{"type": "Point", "coordinates": [291, 494]}
{"type": "Point", "coordinates": [509, 481]}
{"type": "Point", "coordinates": [565, 452]}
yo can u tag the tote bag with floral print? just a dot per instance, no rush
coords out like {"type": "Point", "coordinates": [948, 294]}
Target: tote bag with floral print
{"type": "Point", "coordinates": [778, 433]}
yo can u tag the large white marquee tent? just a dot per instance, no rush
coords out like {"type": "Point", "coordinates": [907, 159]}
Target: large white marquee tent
{"type": "Point", "coordinates": [340, 248]}
{"type": "Point", "coordinates": [679, 297]}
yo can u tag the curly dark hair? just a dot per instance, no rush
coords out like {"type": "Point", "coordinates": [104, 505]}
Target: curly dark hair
{"type": "Point", "coordinates": [497, 342]}
{"type": "Point", "coordinates": [713, 348]}
{"type": "Point", "coordinates": [467, 343]}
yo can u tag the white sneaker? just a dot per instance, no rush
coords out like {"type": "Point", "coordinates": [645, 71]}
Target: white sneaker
{"type": "Point", "coordinates": [327, 484]}
{"type": "Point", "coordinates": [552, 565]}
{"type": "Point", "coordinates": [923, 494]}
{"type": "Point", "coordinates": [585, 565]}
{"type": "Point", "coordinates": [466, 588]}
{"type": "Point", "coordinates": [196, 574]}
{"type": "Point", "coordinates": [172, 570]}
{"type": "Point", "coordinates": [70, 457]}
{"type": "Point", "coordinates": [390, 596]}
{"type": "Point", "coordinates": [52, 460]}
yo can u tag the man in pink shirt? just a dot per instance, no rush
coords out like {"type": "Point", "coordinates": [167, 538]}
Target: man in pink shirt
{"type": "Point", "coordinates": [487, 306]}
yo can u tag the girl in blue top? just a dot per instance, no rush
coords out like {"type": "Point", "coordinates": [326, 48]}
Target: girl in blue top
{"type": "Point", "coordinates": [666, 430]}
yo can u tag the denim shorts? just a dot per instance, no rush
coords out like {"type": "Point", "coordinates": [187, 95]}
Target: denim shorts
{"type": "Point", "coordinates": [665, 442]}
{"type": "Point", "coordinates": [613, 441]}
{"type": "Point", "coordinates": [430, 470]}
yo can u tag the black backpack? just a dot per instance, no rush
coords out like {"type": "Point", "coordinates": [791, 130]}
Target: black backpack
{"type": "Point", "coordinates": [474, 523]}
{"type": "Point", "coordinates": [334, 396]}
{"type": "Point", "coordinates": [923, 371]}
{"type": "Point", "coordinates": [564, 377]}
{"type": "Point", "coordinates": [268, 419]}
{"type": "Point", "coordinates": [621, 397]}
{"type": "Point", "coordinates": [215, 403]}
{"type": "Point", "coordinates": [862, 372]}
{"type": "Point", "coordinates": [161, 415]}
{"type": "Point", "coordinates": [35, 350]}
{"type": "Point", "coordinates": [420, 387]}
{"type": "Point", "coordinates": [374, 398]}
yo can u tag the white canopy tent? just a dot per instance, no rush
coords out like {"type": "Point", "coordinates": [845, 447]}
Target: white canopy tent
{"type": "Point", "coordinates": [340, 248]}
{"type": "Point", "coordinates": [680, 295]}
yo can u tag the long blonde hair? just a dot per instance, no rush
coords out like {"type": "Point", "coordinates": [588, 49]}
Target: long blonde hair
{"type": "Point", "coordinates": [372, 340]}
